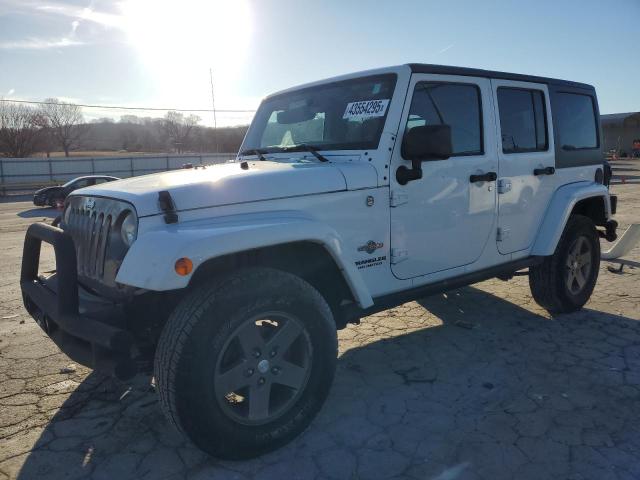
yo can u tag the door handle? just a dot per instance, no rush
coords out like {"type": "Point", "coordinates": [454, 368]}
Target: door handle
{"type": "Point", "coordinates": [544, 171]}
{"type": "Point", "coordinates": [484, 177]}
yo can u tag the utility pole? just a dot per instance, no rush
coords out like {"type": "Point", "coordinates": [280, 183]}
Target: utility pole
{"type": "Point", "coordinates": [213, 105]}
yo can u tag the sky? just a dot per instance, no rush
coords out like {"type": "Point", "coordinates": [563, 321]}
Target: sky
{"type": "Point", "coordinates": [157, 53]}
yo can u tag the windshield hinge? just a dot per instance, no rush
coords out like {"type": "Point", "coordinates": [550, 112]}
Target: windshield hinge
{"type": "Point", "coordinates": [398, 198]}
{"type": "Point", "coordinates": [398, 255]}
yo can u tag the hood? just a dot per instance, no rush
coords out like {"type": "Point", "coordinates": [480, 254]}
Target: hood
{"type": "Point", "coordinates": [47, 189]}
{"type": "Point", "coordinates": [228, 184]}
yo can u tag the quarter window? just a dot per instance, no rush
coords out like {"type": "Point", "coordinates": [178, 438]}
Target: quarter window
{"type": "Point", "coordinates": [575, 121]}
{"type": "Point", "coordinates": [453, 104]}
{"type": "Point", "coordinates": [523, 121]}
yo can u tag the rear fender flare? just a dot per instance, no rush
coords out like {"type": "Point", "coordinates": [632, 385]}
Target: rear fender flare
{"type": "Point", "coordinates": [559, 210]}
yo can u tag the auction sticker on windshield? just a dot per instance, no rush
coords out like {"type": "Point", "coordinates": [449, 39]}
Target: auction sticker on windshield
{"type": "Point", "coordinates": [365, 109]}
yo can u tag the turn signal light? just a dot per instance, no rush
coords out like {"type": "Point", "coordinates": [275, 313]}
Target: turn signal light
{"type": "Point", "coordinates": [184, 266]}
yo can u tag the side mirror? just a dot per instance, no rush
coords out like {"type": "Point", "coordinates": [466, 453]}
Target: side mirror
{"type": "Point", "coordinates": [419, 144]}
{"type": "Point", "coordinates": [430, 142]}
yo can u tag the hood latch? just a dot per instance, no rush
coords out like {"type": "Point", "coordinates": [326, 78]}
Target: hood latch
{"type": "Point", "coordinates": [167, 206]}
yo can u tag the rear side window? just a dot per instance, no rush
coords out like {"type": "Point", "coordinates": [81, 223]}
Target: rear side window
{"type": "Point", "coordinates": [575, 121]}
{"type": "Point", "coordinates": [523, 120]}
{"type": "Point", "coordinates": [453, 104]}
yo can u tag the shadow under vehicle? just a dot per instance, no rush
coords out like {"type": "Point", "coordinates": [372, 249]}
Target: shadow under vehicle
{"type": "Point", "coordinates": [511, 394]}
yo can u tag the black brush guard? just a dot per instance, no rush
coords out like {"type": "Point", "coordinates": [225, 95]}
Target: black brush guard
{"type": "Point", "coordinates": [86, 328]}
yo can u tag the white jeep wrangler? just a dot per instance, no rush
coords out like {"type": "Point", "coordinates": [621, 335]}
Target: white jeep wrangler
{"type": "Point", "coordinates": [349, 196]}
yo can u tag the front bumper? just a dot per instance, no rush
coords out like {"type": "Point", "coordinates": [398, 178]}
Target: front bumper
{"type": "Point", "coordinates": [89, 329]}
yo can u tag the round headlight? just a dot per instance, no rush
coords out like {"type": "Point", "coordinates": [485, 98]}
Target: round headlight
{"type": "Point", "coordinates": [129, 229]}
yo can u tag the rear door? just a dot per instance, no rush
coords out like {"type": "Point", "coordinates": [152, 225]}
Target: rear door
{"type": "Point", "coordinates": [444, 220]}
{"type": "Point", "coordinates": [527, 161]}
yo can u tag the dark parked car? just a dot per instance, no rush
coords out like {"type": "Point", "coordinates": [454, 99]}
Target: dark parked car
{"type": "Point", "coordinates": [51, 196]}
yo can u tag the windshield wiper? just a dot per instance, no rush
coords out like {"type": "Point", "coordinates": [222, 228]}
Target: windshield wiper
{"type": "Point", "coordinates": [304, 147]}
{"type": "Point", "coordinates": [254, 151]}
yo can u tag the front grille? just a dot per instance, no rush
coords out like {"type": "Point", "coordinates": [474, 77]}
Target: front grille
{"type": "Point", "coordinates": [94, 224]}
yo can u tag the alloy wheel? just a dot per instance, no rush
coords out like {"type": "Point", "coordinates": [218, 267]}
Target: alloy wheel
{"type": "Point", "coordinates": [263, 368]}
{"type": "Point", "coordinates": [578, 265]}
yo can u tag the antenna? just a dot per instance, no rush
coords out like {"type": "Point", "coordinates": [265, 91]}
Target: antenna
{"type": "Point", "coordinates": [213, 105]}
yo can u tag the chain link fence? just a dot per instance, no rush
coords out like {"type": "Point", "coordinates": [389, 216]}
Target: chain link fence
{"type": "Point", "coordinates": [25, 175]}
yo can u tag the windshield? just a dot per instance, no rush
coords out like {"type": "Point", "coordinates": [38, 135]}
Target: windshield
{"type": "Point", "coordinates": [345, 115]}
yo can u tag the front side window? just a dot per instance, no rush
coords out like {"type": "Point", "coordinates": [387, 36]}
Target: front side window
{"type": "Point", "coordinates": [522, 120]}
{"type": "Point", "coordinates": [344, 115]}
{"type": "Point", "coordinates": [575, 121]}
{"type": "Point", "coordinates": [77, 184]}
{"type": "Point", "coordinates": [453, 104]}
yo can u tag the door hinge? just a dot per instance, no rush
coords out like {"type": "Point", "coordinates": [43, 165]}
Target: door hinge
{"type": "Point", "coordinates": [502, 234]}
{"type": "Point", "coordinates": [504, 185]}
{"type": "Point", "coordinates": [398, 198]}
{"type": "Point", "coordinates": [398, 255]}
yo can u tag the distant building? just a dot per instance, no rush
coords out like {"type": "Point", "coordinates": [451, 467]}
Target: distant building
{"type": "Point", "coordinates": [619, 130]}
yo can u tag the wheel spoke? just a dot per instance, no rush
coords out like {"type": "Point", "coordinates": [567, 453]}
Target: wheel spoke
{"type": "Point", "coordinates": [250, 338]}
{"type": "Point", "coordinates": [584, 259]}
{"type": "Point", "coordinates": [290, 375]}
{"type": "Point", "coordinates": [266, 349]}
{"type": "Point", "coordinates": [285, 336]}
{"type": "Point", "coordinates": [578, 248]}
{"type": "Point", "coordinates": [570, 279]}
{"type": "Point", "coordinates": [259, 401]}
{"type": "Point", "coordinates": [580, 278]}
{"type": "Point", "coordinates": [233, 379]}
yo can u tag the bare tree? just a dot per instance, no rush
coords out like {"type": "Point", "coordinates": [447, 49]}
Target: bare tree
{"type": "Point", "coordinates": [179, 128]}
{"type": "Point", "coordinates": [18, 130]}
{"type": "Point", "coordinates": [130, 119]}
{"type": "Point", "coordinates": [64, 122]}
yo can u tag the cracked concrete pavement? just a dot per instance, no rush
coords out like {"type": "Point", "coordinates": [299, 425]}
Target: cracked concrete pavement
{"type": "Point", "coordinates": [479, 383]}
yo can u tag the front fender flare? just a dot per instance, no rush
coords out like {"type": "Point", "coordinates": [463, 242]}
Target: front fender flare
{"type": "Point", "coordinates": [149, 263]}
{"type": "Point", "coordinates": [559, 210]}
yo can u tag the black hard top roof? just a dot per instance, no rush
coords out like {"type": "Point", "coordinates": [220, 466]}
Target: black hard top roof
{"type": "Point", "coordinates": [476, 72]}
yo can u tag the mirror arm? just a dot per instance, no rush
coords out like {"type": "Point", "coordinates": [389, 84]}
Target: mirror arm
{"type": "Point", "coordinates": [405, 175]}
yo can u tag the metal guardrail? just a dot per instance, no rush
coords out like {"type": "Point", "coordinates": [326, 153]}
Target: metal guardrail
{"type": "Point", "coordinates": [24, 175]}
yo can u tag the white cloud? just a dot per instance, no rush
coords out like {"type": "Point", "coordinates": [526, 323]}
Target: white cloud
{"type": "Point", "coordinates": [39, 43]}
{"type": "Point", "coordinates": [87, 13]}
{"type": "Point", "coordinates": [448, 47]}
{"type": "Point", "coordinates": [11, 91]}
{"type": "Point", "coordinates": [42, 43]}
{"type": "Point", "coordinates": [51, 7]}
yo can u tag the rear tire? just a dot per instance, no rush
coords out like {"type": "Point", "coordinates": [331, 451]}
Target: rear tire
{"type": "Point", "coordinates": [564, 282]}
{"type": "Point", "coordinates": [245, 362]}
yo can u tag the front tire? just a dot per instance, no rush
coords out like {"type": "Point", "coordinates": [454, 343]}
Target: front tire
{"type": "Point", "coordinates": [564, 282]}
{"type": "Point", "coordinates": [245, 362]}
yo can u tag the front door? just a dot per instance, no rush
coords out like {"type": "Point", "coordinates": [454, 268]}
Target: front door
{"type": "Point", "coordinates": [526, 162]}
{"type": "Point", "coordinates": [444, 220]}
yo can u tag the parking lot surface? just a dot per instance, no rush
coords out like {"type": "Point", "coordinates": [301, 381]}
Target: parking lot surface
{"type": "Point", "coordinates": [478, 383]}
